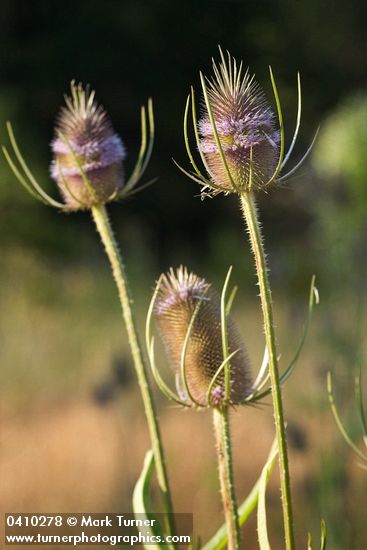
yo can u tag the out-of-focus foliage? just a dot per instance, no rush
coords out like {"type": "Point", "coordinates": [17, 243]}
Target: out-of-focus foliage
{"type": "Point", "coordinates": [340, 155]}
{"type": "Point", "coordinates": [340, 162]}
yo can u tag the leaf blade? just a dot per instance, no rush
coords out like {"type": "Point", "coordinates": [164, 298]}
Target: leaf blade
{"type": "Point", "coordinates": [141, 500]}
{"type": "Point", "coordinates": [262, 530]}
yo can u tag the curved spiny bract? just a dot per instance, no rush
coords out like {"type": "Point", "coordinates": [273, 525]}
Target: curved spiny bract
{"type": "Point", "coordinates": [180, 296]}
{"type": "Point", "coordinates": [88, 154]}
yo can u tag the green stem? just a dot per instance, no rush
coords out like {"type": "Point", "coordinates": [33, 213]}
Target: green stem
{"type": "Point", "coordinates": [105, 231]}
{"type": "Point", "coordinates": [224, 453]}
{"type": "Point", "coordinates": [250, 214]}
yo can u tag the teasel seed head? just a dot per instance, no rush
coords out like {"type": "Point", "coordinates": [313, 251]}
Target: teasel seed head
{"type": "Point", "coordinates": [182, 295]}
{"type": "Point", "coordinates": [240, 141]}
{"type": "Point", "coordinates": [246, 128]}
{"type": "Point", "coordinates": [88, 154]}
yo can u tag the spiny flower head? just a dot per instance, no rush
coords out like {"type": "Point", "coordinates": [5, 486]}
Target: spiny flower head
{"type": "Point", "coordinates": [238, 137]}
{"type": "Point", "coordinates": [246, 128]}
{"type": "Point", "coordinates": [185, 298]}
{"type": "Point", "coordinates": [88, 154]}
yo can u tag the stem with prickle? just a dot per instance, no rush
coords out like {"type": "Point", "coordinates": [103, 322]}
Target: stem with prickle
{"type": "Point", "coordinates": [224, 454]}
{"type": "Point", "coordinates": [105, 231]}
{"type": "Point", "coordinates": [250, 215]}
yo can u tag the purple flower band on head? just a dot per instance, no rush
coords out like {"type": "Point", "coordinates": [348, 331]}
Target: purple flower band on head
{"type": "Point", "coordinates": [246, 132]}
{"type": "Point", "coordinates": [242, 141]}
{"type": "Point", "coordinates": [111, 146]}
{"type": "Point", "coordinates": [97, 154]}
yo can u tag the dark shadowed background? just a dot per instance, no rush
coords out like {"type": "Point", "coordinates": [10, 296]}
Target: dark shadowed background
{"type": "Point", "coordinates": [64, 357]}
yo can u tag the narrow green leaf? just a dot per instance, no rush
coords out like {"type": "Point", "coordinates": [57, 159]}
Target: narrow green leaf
{"type": "Point", "coordinates": [141, 489]}
{"type": "Point", "coordinates": [186, 138]}
{"type": "Point", "coordinates": [151, 136]}
{"type": "Point", "coordinates": [298, 123]}
{"type": "Point", "coordinates": [196, 132]}
{"type": "Point", "coordinates": [201, 181]}
{"type": "Point", "coordinates": [145, 151]}
{"type": "Point", "coordinates": [216, 135]}
{"type": "Point", "coordinates": [137, 189]}
{"type": "Point", "coordinates": [223, 324]}
{"type": "Point", "coordinates": [135, 174]}
{"type": "Point", "coordinates": [20, 178]}
{"type": "Point", "coordinates": [184, 351]}
{"type": "Point", "coordinates": [148, 320]}
{"type": "Point", "coordinates": [149, 342]}
{"type": "Point", "coordinates": [308, 151]}
{"type": "Point", "coordinates": [215, 377]}
{"type": "Point", "coordinates": [165, 389]}
{"type": "Point", "coordinates": [231, 300]}
{"type": "Point", "coordinates": [141, 501]}
{"type": "Point", "coordinates": [261, 378]}
{"type": "Point", "coordinates": [313, 298]}
{"type": "Point", "coordinates": [339, 423]}
{"type": "Point", "coordinates": [32, 180]}
{"type": "Point", "coordinates": [323, 535]}
{"type": "Point", "coordinates": [281, 128]}
{"type": "Point", "coordinates": [262, 529]}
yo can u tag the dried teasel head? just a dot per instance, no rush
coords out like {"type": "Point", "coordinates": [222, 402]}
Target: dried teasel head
{"type": "Point", "coordinates": [88, 154]}
{"type": "Point", "coordinates": [185, 298]}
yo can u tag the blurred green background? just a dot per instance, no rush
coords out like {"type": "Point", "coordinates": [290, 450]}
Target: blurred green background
{"type": "Point", "coordinates": [69, 405]}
